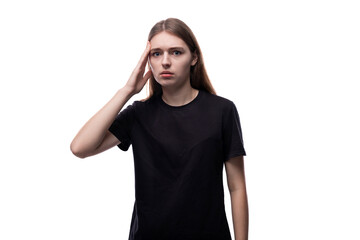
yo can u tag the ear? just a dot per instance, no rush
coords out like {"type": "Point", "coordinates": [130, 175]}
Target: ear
{"type": "Point", "coordinates": [195, 59]}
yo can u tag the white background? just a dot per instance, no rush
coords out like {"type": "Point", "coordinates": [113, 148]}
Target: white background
{"type": "Point", "coordinates": [291, 67]}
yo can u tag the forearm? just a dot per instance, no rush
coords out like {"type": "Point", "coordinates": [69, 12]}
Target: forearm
{"type": "Point", "coordinates": [92, 133]}
{"type": "Point", "coordinates": [240, 214]}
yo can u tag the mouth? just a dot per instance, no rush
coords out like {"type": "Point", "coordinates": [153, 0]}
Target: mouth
{"type": "Point", "coordinates": [166, 74]}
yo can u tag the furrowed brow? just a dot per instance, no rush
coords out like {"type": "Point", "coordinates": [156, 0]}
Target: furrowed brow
{"type": "Point", "coordinates": [170, 49]}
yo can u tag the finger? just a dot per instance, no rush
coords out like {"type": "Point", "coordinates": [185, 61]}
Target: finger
{"type": "Point", "coordinates": [147, 75]}
{"type": "Point", "coordinates": [145, 55]}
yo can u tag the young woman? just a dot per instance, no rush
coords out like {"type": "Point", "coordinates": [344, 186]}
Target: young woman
{"type": "Point", "coordinates": [181, 137]}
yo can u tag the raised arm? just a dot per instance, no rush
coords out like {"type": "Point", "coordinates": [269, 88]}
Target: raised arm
{"type": "Point", "coordinates": [94, 136]}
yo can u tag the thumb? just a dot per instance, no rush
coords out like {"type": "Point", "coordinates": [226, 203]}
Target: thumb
{"type": "Point", "coordinates": [147, 75]}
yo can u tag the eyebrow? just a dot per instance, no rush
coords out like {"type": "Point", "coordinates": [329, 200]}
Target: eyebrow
{"type": "Point", "coordinates": [173, 48]}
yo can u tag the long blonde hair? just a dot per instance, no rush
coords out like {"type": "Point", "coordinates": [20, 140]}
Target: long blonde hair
{"type": "Point", "coordinates": [198, 76]}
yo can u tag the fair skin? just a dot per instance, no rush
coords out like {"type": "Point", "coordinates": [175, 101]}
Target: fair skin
{"type": "Point", "coordinates": [239, 205]}
{"type": "Point", "coordinates": [94, 137]}
{"type": "Point", "coordinates": [169, 53]}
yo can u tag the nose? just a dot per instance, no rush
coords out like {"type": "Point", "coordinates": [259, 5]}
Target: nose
{"type": "Point", "coordinates": [166, 61]}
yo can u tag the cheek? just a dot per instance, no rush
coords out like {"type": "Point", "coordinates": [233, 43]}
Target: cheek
{"type": "Point", "coordinates": [185, 65]}
{"type": "Point", "coordinates": [152, 64]}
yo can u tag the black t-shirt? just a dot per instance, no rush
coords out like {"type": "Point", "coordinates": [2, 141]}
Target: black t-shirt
{"type": "Point", "coordinates": [179, 153]}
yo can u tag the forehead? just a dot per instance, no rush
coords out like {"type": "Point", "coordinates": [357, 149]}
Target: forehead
{"type": "Point", "coordinates": [167, 40]}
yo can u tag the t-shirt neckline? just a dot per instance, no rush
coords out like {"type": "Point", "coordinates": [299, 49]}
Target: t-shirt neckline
{"type": "Point", "coordinates": [192, 102]}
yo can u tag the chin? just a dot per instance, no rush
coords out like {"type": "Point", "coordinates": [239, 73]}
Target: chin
{"type": "Point", "coordinates": [165, 82]}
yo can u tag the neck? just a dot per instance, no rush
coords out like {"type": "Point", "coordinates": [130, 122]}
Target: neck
{"type": "Point", "coordinates": [179, 96]}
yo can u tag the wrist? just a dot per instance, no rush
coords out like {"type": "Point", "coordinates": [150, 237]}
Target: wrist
{"type": "Point", "coordinates": [127, 91]}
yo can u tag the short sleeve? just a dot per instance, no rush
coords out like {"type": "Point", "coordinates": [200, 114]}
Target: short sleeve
{"type": "Point", "coordinates": [121, 127]}
{"type": "Point", "coordinates": [232, 135]}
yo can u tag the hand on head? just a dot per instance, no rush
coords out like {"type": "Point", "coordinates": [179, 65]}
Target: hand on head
{"type": "Point", "coordinates": [137, 79]}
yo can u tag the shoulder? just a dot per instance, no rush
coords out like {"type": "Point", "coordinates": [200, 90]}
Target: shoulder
{"type": "Point", "coordinates": [142, 105]}
{"type": "Point", "coordinates": [219, 102]}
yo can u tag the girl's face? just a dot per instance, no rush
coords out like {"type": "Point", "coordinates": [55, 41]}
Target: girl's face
{"type": "Point", "coordinates": [170, 60]}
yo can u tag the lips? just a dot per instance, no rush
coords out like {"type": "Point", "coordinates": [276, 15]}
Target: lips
{"type": "Point", "coordinates": [166, 74]}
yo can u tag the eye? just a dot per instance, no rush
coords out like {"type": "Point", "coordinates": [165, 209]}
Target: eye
{"type": "Point", "coordinates": [155, 54]}
{"type": "Point", "coordinates": [176, 53]}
